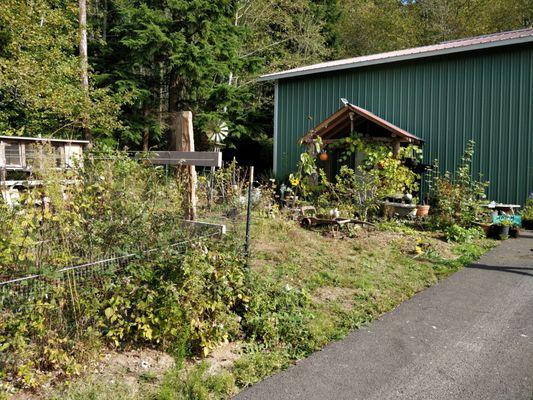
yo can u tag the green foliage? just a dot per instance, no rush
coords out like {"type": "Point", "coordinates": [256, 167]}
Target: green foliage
{"type": "Point", "coordinates": [40, 87]}
{"type": "Point", "coordinates": [180, 303]}
{"type": "Point", "coordinates": [196, 384]}
{"type": "Point", "coordinates": [115, 204]}
{"type": "Point", "coordinates": [357, 192]}
{"type": "Point", "coordinates": [527, 211]}
{"type": "Point", "coordinates": [304, 181]}
{"type": "Point", "coordinates": [456, 233]}
{"type": "Point", "coordinates": [188, 49]}
{"type": "Point", "coordinates": [175, 301]}
{"type": "Point", "coordinates": [456, 198]}
{"type": "Point", "coordinates": [256, 365]}
{"type": "Point", "coordinates": [393, 175]}
{"type": "Point", "coordinates": [214, 285]}
{"type": "Point", "coordinates": [277, 317]}
{"type": "Point", "coordinates": [387, 25]}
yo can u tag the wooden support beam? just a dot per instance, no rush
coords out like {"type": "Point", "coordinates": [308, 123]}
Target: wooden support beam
{"type": "Point", "coordinates": [183, 140]}
{"type": "Point", "coordinates": [197, 158]}
{"type": "Point", "coordinates": [396, 149]}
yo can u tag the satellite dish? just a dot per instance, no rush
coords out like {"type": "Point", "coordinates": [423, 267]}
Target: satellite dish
{"type": "Point", "coordinates": [217, 132]}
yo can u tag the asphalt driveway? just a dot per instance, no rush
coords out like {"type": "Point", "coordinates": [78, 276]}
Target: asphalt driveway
{"type": "Point", "coordinates": [468, 337]}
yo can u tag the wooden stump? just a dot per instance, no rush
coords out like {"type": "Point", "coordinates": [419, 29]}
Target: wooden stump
{"type": "Point", "coordinates": [182, 139]}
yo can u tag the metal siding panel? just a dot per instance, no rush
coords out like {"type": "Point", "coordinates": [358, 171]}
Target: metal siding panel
{"type": "Point", "coordinates": [485, 96]}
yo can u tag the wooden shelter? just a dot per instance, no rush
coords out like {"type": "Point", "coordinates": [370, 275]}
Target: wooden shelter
{"type": "Point", "coordinates": [19, 153]}
{"type": "Point", "coordinates": [352, 118]}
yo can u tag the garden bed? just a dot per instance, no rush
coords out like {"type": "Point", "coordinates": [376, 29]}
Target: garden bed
{"type": "Point", "coordinates": [309, 289]}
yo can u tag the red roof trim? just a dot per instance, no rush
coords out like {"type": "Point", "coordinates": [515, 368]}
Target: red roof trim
{"type": "Point", "coordinates": [368, 116]}
{"type": "Point", "coordinates": [384, 123]}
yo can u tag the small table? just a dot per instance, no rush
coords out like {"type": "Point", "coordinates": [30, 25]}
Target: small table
{"type": "Point", "coordinates": [503, 208]}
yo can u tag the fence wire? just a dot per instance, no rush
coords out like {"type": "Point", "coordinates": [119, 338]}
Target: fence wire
{"type": "Point", "coordinates": [13, 291]}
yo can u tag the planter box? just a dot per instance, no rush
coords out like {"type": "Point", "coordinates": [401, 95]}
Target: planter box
{"type": "Point", "coordinates": [400, 210]}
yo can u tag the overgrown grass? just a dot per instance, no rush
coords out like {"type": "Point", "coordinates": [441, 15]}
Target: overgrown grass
{"type": "Point", "coordinates": [308, 289]}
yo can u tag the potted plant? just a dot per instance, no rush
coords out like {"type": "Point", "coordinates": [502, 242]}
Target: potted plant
{"type": "Point", "coordinates": [527, 215]}
{"type": "Point", "coordinates": [501, 230]}
{"type": "Point", "coordinates": [514, 231]}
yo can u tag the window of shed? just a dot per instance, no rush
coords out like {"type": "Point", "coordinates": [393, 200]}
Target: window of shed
{"type": "Point", "coordinates": [58, 154]}
{"type": "Point", "coordinates": [12, 154]}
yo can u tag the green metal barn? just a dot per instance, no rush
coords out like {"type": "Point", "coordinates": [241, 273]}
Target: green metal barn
{"type": "Point", "coordinates": [446, 94]}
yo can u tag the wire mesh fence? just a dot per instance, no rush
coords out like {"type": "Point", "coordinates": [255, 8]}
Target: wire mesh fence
{"type": "Point", "coordinates": [13, 291]}
{"type": "Point", "coordinates": [222, 200]}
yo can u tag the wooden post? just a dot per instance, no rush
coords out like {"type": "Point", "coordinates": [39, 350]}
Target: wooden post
{"type": "Point", "coordinates": [396, 149]}
{"type": "Point", "coordinates": [249, 214]}
{"type": "Point", "coordinates": [182, 139]}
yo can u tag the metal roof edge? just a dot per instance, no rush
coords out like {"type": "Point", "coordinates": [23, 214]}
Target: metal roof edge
{"type": "Point", "coordinates": [43, 139]}
{"type": "Point", "coordinates": [424, 54]}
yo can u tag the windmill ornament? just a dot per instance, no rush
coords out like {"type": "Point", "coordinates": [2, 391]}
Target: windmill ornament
{"type": "Point", "coordinates": [217, 132]}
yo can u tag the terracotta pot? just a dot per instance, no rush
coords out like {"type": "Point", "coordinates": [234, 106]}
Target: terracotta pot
{"type": "Point", "coordinates": [323, 156]}
{"type": "Point", "coordinates": [422, 210]}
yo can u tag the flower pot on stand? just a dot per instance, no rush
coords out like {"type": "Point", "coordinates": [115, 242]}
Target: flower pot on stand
{"type": "Point", "coordinates": [422, 210]}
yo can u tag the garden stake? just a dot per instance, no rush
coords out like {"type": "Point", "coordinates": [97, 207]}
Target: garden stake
{"type": "Point", "coordinates": [248, 214]}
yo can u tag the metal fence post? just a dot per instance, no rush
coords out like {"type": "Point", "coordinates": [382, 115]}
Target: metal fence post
{"type": "Point", "coordinates": [249, 213]}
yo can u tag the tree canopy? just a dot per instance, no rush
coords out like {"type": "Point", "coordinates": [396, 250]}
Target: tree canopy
{"type": "Point", "coordinates": [150, 58]}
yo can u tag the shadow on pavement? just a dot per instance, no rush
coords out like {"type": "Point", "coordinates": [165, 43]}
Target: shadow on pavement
{"type": "Point", "coordinates": [513, 270]}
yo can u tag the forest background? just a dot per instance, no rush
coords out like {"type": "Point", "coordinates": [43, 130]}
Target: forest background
{"type": "Point", "coordinates": [148, 59]}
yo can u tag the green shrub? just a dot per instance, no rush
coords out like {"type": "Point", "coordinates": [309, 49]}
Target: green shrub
{"type": "Point", "coordinates": [180, 302]}
{"type": "Point", "coordinates": [393, 175]}
{"type": "Point", "coordinates": [527, 211]}
{"type": "Point", "coordinates": [456, 233]}
{"type": "Point", "coordinates": [457, 198]}
{"type": "Point", "coordinates": [113, 205]}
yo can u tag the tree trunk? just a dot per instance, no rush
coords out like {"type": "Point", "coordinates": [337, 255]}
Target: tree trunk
{"type": "Point", "coordinates": [146, 130]}
{"type": "Point", "coordinates": [182, 139]}
{"type": "Point", "coordinates": [84, 64]}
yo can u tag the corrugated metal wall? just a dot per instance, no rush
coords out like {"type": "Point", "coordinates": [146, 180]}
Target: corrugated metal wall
{"type": "Point", "coordinates": [486, 96]}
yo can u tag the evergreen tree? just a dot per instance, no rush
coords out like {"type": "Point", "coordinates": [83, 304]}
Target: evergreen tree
{"type": "Point", "coordinates": [167, 56]}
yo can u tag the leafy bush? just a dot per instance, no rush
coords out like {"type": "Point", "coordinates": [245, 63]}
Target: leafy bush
{"type": "Point", "coordinates": [394, 176]}
{"type": "Point", "coordinates": [277, 318]}
{"type": "Point", "coordinates": [456, 233]}
{"type": "Point", "coordinates": [179, 302]}
{"type": "Point", "coordinates": [456, 198]}
{"type": "Point", "coordinates": [113, 205]}
{"type": "Point", "coordinates": [354, 191]}
{"type": "Point", "coordinates": [527, 212]}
